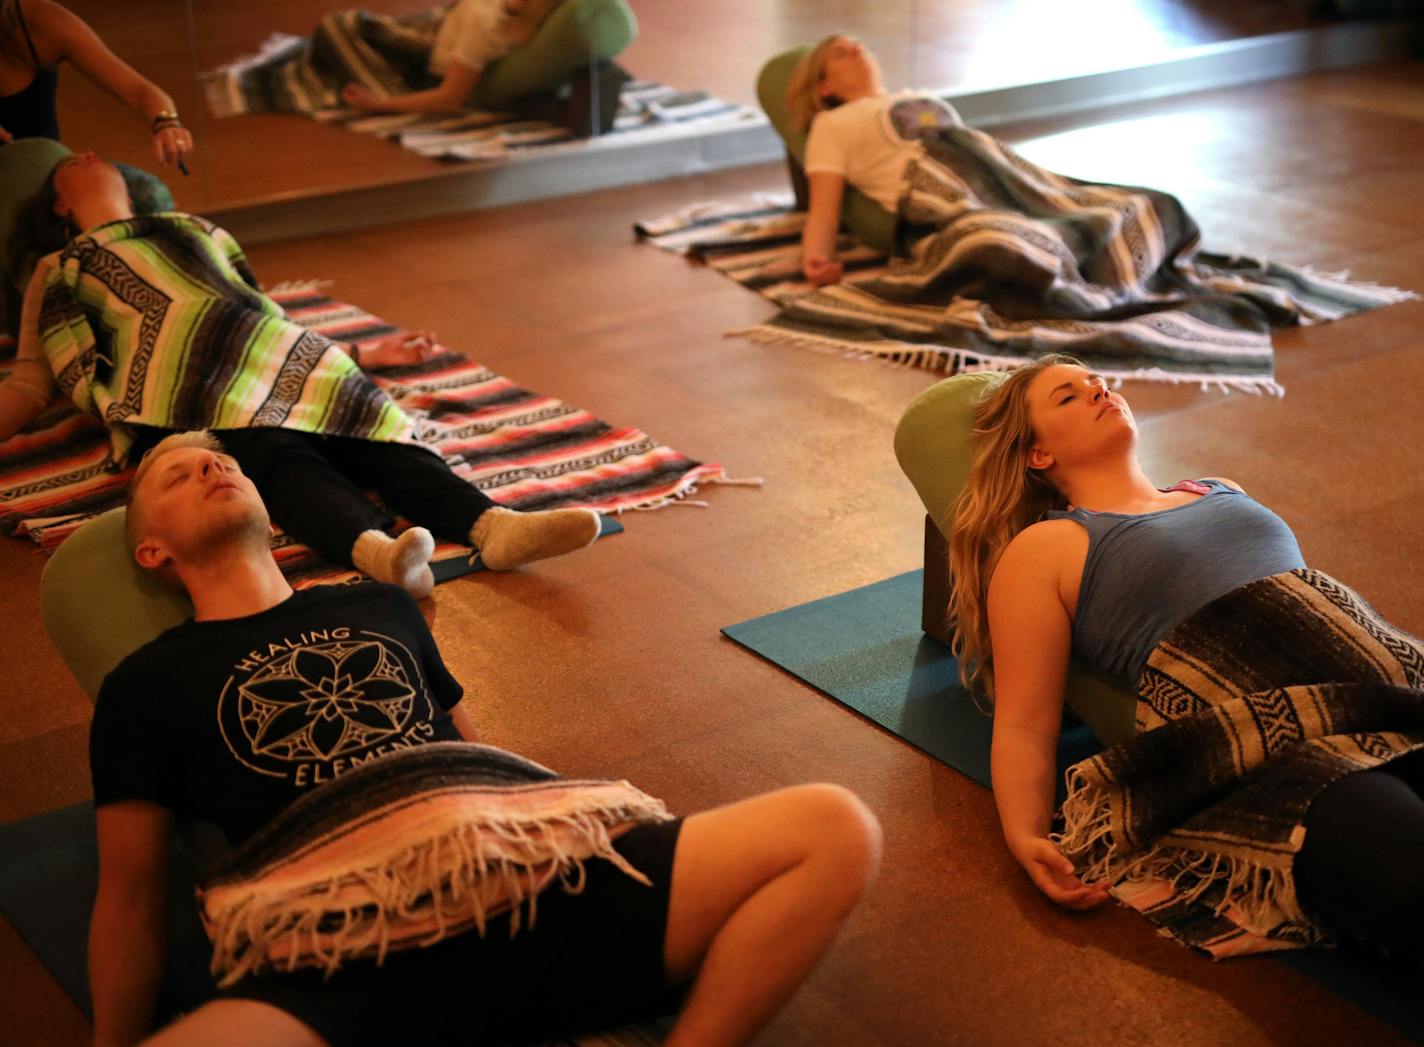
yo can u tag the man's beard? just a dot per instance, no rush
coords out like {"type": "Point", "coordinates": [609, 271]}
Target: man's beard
{"type": "Point", "coordinates": [230, 537]}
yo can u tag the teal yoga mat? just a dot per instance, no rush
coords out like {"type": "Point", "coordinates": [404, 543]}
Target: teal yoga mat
{"type": "Point", "coordinates": [864, 648]}
{"type": "Point", "coordinates": [49, 869]}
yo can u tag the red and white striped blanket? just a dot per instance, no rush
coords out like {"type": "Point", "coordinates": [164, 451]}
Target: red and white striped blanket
{"type": "Point", "coordinates": [524, 450]}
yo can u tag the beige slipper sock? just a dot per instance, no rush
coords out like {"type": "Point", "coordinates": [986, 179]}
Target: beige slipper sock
{"type": "Point", "coordinates": [403, 561]}
{"type": "Point", "coordinates": [507, 539]}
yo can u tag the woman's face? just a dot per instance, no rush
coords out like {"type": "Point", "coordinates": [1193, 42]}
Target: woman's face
{"type": "Point", "coordinates": [84, 176]}
{"type": "Point", "coordinates": [1075, 417]}
{"type": "Point", "coordinates": [849, 69]}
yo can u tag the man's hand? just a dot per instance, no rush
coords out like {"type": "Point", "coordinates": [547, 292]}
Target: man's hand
{"type": "Point", "coordinates": [5, 136]}
{"type": "Point", "coordinates": [820, 270]}
{"type": "Point", "coordinates": [1052, 873]}
{"type": "Point", "coordinates": [399, 350]}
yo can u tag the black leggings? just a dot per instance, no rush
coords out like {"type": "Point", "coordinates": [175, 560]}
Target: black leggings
{"type": "Point", "coordinates": [1361, 869]}
{"type": "Point", "coordinates": [314, 486]}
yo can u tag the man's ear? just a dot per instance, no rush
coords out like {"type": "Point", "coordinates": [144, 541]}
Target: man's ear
{"type": "Point", "coordinates": [151, 554]}
{"type": "Point", "coordinates": [1039, 459]}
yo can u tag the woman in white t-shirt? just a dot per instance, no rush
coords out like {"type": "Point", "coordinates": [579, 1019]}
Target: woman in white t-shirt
{"type": "Point", "coordinates": [837, 92]}
{"type": "Point", "coordinates": [472, 34]}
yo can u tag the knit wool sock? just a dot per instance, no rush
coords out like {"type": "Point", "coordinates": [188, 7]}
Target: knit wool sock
{"type": "Point", "coordinates": [403, 561]}
{"type": "Point", "coordinates": [507, 539]}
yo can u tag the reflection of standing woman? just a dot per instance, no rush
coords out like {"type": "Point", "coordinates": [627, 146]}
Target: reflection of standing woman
{"type": "Point", "coordinates": [472, 34]}
{"type": "Point", "coordinates": [36, 36]}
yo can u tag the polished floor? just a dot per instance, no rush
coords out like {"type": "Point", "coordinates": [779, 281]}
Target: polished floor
{"type": "Point", "coordinates": [719, 47]}
{"type": "Point", "coordinates": [610, 662]}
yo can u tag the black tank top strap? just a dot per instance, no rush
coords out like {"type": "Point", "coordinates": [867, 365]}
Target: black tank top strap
{"type": "Point", "coordinates": [24, 28]}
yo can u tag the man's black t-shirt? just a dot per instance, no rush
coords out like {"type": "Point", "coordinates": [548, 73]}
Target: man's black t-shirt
{"type": "Point", "coordinates": [232, 720]}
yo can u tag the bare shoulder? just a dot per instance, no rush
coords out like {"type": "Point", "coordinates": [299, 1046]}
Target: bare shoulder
{"type": "Point", "coordinates": [1040, 551]}
{"type": "Point", "coordinates": [1229, 483]}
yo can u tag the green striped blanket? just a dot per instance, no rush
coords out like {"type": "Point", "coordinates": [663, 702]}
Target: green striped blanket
{"type": "Point", "coordinates": [157, 320]}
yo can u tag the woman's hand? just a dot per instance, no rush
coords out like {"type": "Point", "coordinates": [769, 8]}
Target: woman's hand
{"type": "Point", "coordinates": [172, 143]}
{"type": "Point", "coordinates": [399, 350]}
{"type": "Point", "coordinates": [1052, 873]}
{"type": "Point", "coordinates": [358, 97]}
{"type": "Point", "coordinates": [820, 270]}
{"type": "Point", "coordinates": [5, 136]}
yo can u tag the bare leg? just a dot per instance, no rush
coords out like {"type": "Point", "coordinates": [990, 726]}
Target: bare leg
{"type": "Point", "coordinates": [236, 1023]}
{"type": "Point", "coordinates": [759, 890]}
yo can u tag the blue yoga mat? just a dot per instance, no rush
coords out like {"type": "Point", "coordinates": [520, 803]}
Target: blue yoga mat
{"type": "Point", "coordinates": [49, 870]}
{"type": "Point", "coordinates": [865, 649]}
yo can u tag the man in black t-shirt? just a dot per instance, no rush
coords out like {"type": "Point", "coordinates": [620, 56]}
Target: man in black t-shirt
{"type": "Point", "coordinates": [267, 694]}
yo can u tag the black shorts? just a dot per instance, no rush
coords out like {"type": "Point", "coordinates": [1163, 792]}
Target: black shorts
{"type": "Point", "coordinates": [592, 960]}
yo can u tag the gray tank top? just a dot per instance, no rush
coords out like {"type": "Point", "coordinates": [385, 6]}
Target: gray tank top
{"type": "Point", "coordinates": [1146, 573]}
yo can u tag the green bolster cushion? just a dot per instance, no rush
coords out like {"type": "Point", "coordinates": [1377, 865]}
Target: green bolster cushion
{"type": "Point", "coordinates": [98, 605]}
{"type": "Point", "coordinates": [577, 33]}
{"type": "Point", "coordinates": [25, 164]}
{"type": "Point", "coordinates": [870, 223]}
{"type": "Point", "coordinates": [935, 446]}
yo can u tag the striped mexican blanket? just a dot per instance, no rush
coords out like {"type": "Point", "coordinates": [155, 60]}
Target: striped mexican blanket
{"type": "Point", "coordinates": [1246, 711]}
{"type": "Point", "coordinates": [525, 450]}
{"type": "Point", "coordinates": [406, 850]}
{"type": "Point", "coordinates": [294, 74]}
{"type": "Point", "coordinates": [1010, 261]}
{"type": "Point", "coordinates": [157, 321]}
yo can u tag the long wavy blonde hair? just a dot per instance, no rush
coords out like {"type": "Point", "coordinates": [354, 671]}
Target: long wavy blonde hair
{"type": "Point", "coordinates": [1001, 497]}
{"type": "Point", "coordinates": [803, 91]}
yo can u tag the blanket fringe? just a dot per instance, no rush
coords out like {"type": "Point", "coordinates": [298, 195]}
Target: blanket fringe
{"type": "Point", "coordinates": [219, 85]}
{"type": "Point", "coordinates": [949, 360]}
{"type": "Point", "coordinates": [446, 884]}
{"type": "Point", "coordinates": [687, 488]}
{"type": "Point", "coordinates": [1258, 897]}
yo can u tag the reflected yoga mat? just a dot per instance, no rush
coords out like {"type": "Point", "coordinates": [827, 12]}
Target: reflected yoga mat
{"type": "Point", "coordinates": [864, 648]}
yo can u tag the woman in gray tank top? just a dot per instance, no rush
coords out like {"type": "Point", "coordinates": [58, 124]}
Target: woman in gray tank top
{"type": "Point", "coordinates": [1273, 705]}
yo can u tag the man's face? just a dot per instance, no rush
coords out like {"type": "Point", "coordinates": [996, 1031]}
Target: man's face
{"type": "Point", "coordinates": [193, 504]}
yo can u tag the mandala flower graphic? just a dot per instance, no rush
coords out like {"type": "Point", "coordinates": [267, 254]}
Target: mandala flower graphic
{"type": "Point", "coordinates": [325, 701]}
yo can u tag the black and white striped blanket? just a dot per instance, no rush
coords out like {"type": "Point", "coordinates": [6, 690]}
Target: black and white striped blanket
{"type": "Point", "coordinates": [1245, 712]}
{"type": "Point", "coordinates": [296, 74]}
{"type": "Point", "coordinates": [1011, 261]}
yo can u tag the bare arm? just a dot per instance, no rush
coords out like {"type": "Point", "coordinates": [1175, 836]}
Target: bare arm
{"type": "Point", "coordinates": [823, 222]}
{"type": "Point", "coordinates": [1031, 634]}
{"type": "Point", "coordinates": [466, 726]}
{"type": "Point", "coordinates": [71, 39]}
{"type": "Point", "coordinates": [452, 92]}
{"type": "Point", "coordinates": [126, 935]}
{"type": "Point", "coordinates": [30, 385]}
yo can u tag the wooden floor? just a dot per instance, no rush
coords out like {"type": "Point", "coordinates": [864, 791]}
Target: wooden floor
{"type": "Point", "coordinates": [610, 663]}
{"type": "Point", "coordinates": [718, 47]}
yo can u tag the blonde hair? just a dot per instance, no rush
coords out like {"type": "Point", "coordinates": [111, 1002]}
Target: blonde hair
{"type": "Point", "coordinates": [133, 522]}
{"type": "Point", "coordinates": [1001, 497]}
{"type": "Point", "coordinates": [803, 91]}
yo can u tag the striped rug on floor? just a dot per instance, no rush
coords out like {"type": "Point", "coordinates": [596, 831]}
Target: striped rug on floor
{"type": "Point", "coordinates": [892, 312]}
{"type": "Point", "coordinates": [526, 451]}
{"type": "Point", "coordinates": [276, 79]}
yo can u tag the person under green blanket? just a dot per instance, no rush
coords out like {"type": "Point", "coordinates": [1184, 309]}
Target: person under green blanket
{"type": "Point", "coordinates": [155, 324]}
{"type": "Point", "coordinates": [472, 34]}
{"type": "Point", "coordinates": [1061, 543]}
